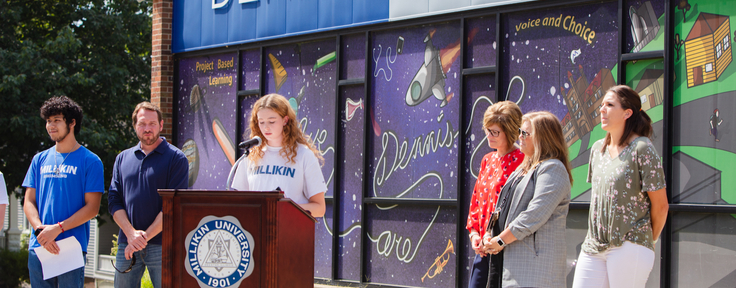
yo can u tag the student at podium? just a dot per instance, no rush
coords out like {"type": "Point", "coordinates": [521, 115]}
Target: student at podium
{"type": "Point", "coordinates": [286, 160]}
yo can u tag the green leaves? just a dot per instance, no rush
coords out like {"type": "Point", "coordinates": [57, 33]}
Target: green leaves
{"type": "Point", "coordinates": [96, 52]}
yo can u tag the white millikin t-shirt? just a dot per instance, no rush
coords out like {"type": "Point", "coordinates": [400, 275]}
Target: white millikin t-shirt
{"type": "Point", "coordinates": [299, 181]}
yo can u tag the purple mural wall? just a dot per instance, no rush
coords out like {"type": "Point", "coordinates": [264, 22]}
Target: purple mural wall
{"type": "Point", "coordinates": [206, 89]}
{"type": "Point", "coordinates": [413, 148]}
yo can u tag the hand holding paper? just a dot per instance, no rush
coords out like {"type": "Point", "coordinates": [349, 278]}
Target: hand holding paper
{"type": "Point", "coordinates": [69, 257]}
{"type": "Point", "coordinates": [47, 238]}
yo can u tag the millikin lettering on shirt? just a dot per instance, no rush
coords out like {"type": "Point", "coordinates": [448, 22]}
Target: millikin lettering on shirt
{"type": "Point", "coordinates": [66, 169]}
{"type": "Point", "coordinates": [274, 170]}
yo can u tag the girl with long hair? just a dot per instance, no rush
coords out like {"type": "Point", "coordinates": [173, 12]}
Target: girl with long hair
{"type": "Point", "coordinates": [628, 204]}
{"type": "Point", "coordinates": [286, 160]}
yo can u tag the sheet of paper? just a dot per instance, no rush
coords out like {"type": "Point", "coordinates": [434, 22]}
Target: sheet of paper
{"type": "Point", "coordinates": [69, 258]}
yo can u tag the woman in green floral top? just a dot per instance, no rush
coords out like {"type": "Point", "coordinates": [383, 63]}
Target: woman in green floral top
{"type": "Point", "coordinates": [628, 205]}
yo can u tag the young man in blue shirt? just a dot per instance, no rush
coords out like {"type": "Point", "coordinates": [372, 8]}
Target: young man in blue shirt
{"type": "Point", "coordinates": [134, 201]}
{"type": "Point", "coordinates": [64, 185]}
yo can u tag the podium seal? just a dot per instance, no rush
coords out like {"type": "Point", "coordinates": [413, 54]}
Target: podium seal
{"type": "Point", "coordinates": [219, 252]}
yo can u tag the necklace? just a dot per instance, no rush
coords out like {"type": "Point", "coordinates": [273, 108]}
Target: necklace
{"type": "Point", "coordinates": [57, 171]}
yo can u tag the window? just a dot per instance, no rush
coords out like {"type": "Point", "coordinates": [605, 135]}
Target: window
{"type": "Point", "coordinates": [719, 50]}
{"type": "Point", "coordinates": [567, 127]}
{"type": "Point", "coordinates": [643, 99]}
{"type": "Point", "coordinates": [726, 41]}
{"type": "Point", "coordinates": [709, 67]}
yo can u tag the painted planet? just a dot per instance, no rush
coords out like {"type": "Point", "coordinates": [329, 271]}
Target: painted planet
{"type": "Point", "coordinates": [190, 150]}
{"type": "Point", "coordinates": [195, 98]}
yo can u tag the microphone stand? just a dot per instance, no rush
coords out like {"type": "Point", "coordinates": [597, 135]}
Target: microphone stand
{"type": "Point", "coordinates": [234, 168]}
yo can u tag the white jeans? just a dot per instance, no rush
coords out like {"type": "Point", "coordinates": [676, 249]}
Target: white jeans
{"type": "Point", "coordinates": [625, 266]}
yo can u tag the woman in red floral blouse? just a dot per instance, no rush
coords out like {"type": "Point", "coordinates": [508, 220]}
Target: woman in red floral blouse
{"type": "Point", "coordinates": [501, 123]}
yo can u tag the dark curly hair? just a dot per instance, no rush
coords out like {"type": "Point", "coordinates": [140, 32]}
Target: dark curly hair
{"type": "Point", "coordinates": [65, 106]}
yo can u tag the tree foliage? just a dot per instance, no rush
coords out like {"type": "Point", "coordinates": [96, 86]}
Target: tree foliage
{"type": "Point", "coordinates": [96, 52]}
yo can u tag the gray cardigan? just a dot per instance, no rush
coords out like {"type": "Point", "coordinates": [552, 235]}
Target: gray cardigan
{"type": "Point", "coordinates": [537, 218]}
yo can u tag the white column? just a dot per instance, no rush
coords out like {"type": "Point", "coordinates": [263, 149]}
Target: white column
{"type": "Point", "coordinates": [13, 233]}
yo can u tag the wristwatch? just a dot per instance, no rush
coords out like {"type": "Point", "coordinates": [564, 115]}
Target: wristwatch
{"type": "Point", "coordinates": [500, 242]}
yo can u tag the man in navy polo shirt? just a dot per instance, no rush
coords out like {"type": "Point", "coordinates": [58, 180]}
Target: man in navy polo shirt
{"type": "Point", "coordinates": [134, 201]}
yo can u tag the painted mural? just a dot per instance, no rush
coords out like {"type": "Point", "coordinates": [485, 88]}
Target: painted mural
{"type": "Point", "coordinates": [352, 124]}
{"type": "Point", "coordinates": [704, 148]}
{"type": "Point", "coordinates": [352, 107]}
{"type": "Point", "coordinates": [413, 154]}
{"type": "Point", "coordinates": [563, 61]}
{"type": "Point", "coordinates": [250, 75]}
{"type": "Point", "coordinates": [207, 88]}
{"type": "Point", "coordinates": [645, 23]}
{"type": "Point", "coordinates": [558, 59]}
{"type": "Point", "coordinates": [704, 93]}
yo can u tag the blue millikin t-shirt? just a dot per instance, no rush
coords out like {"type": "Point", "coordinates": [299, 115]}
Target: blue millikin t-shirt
{"type": "Point", "coordinates": [58, 197]}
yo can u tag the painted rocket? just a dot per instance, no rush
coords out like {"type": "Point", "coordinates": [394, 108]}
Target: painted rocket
{"type": "Point", "coordinates": [430, 78]}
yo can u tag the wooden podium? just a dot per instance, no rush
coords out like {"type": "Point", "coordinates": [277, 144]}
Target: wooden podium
{"type": "Point", "coordinates": [202, 237]}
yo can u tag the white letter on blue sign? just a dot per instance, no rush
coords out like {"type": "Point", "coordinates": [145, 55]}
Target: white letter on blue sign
{"type": "Point", "coordinates": [220, 5]}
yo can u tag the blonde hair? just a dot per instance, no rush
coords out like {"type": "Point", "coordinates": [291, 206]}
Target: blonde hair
{"type": "Point", "coordinates": [548, 141]}
{"type": "Point", "coordinates": [507, 115]}
{"type": "Point", "coordinates": [293, 135]}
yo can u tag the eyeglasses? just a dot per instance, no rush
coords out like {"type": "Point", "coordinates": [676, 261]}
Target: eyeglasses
{"type": "Point", "coordinates": [132, 262]}
{"type": "Point", "coordinates": [493, 133]}
{"type": "Point", "coordinates": [523, 134]}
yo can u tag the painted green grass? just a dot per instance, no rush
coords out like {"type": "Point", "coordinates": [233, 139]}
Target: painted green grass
{"type": "Point", "coordinates": [580, 185]}
{"type": "Point", "coordinates": [657, 43]}
{"type": "Point", "coordinates": [614, 73]}
{"type": "Point", "coordinates": [595, 135]}
{"type": "Point", "coordinates": [719, 159]}
{"type": "Point", "coordinates": [635, 71]}
{"type": "Point", "coordinates": [574, 150]}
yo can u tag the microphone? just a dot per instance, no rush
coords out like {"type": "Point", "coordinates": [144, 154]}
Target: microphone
{"type": "Point", "coordinates": [255, 141]}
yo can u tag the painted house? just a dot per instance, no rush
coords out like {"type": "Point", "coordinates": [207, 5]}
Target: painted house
{"type": "Point", "coordinates": [708, 48]}
{"type": "Point", "coordinates": [651, 88]}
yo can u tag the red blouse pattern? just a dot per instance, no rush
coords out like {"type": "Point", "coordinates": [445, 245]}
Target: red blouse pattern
{"type": "Point", "coordinates": [494, 171]}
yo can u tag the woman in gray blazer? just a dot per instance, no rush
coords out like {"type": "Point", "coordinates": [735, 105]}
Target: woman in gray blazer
{"type": "Point", "coordinates": [534, 215]}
